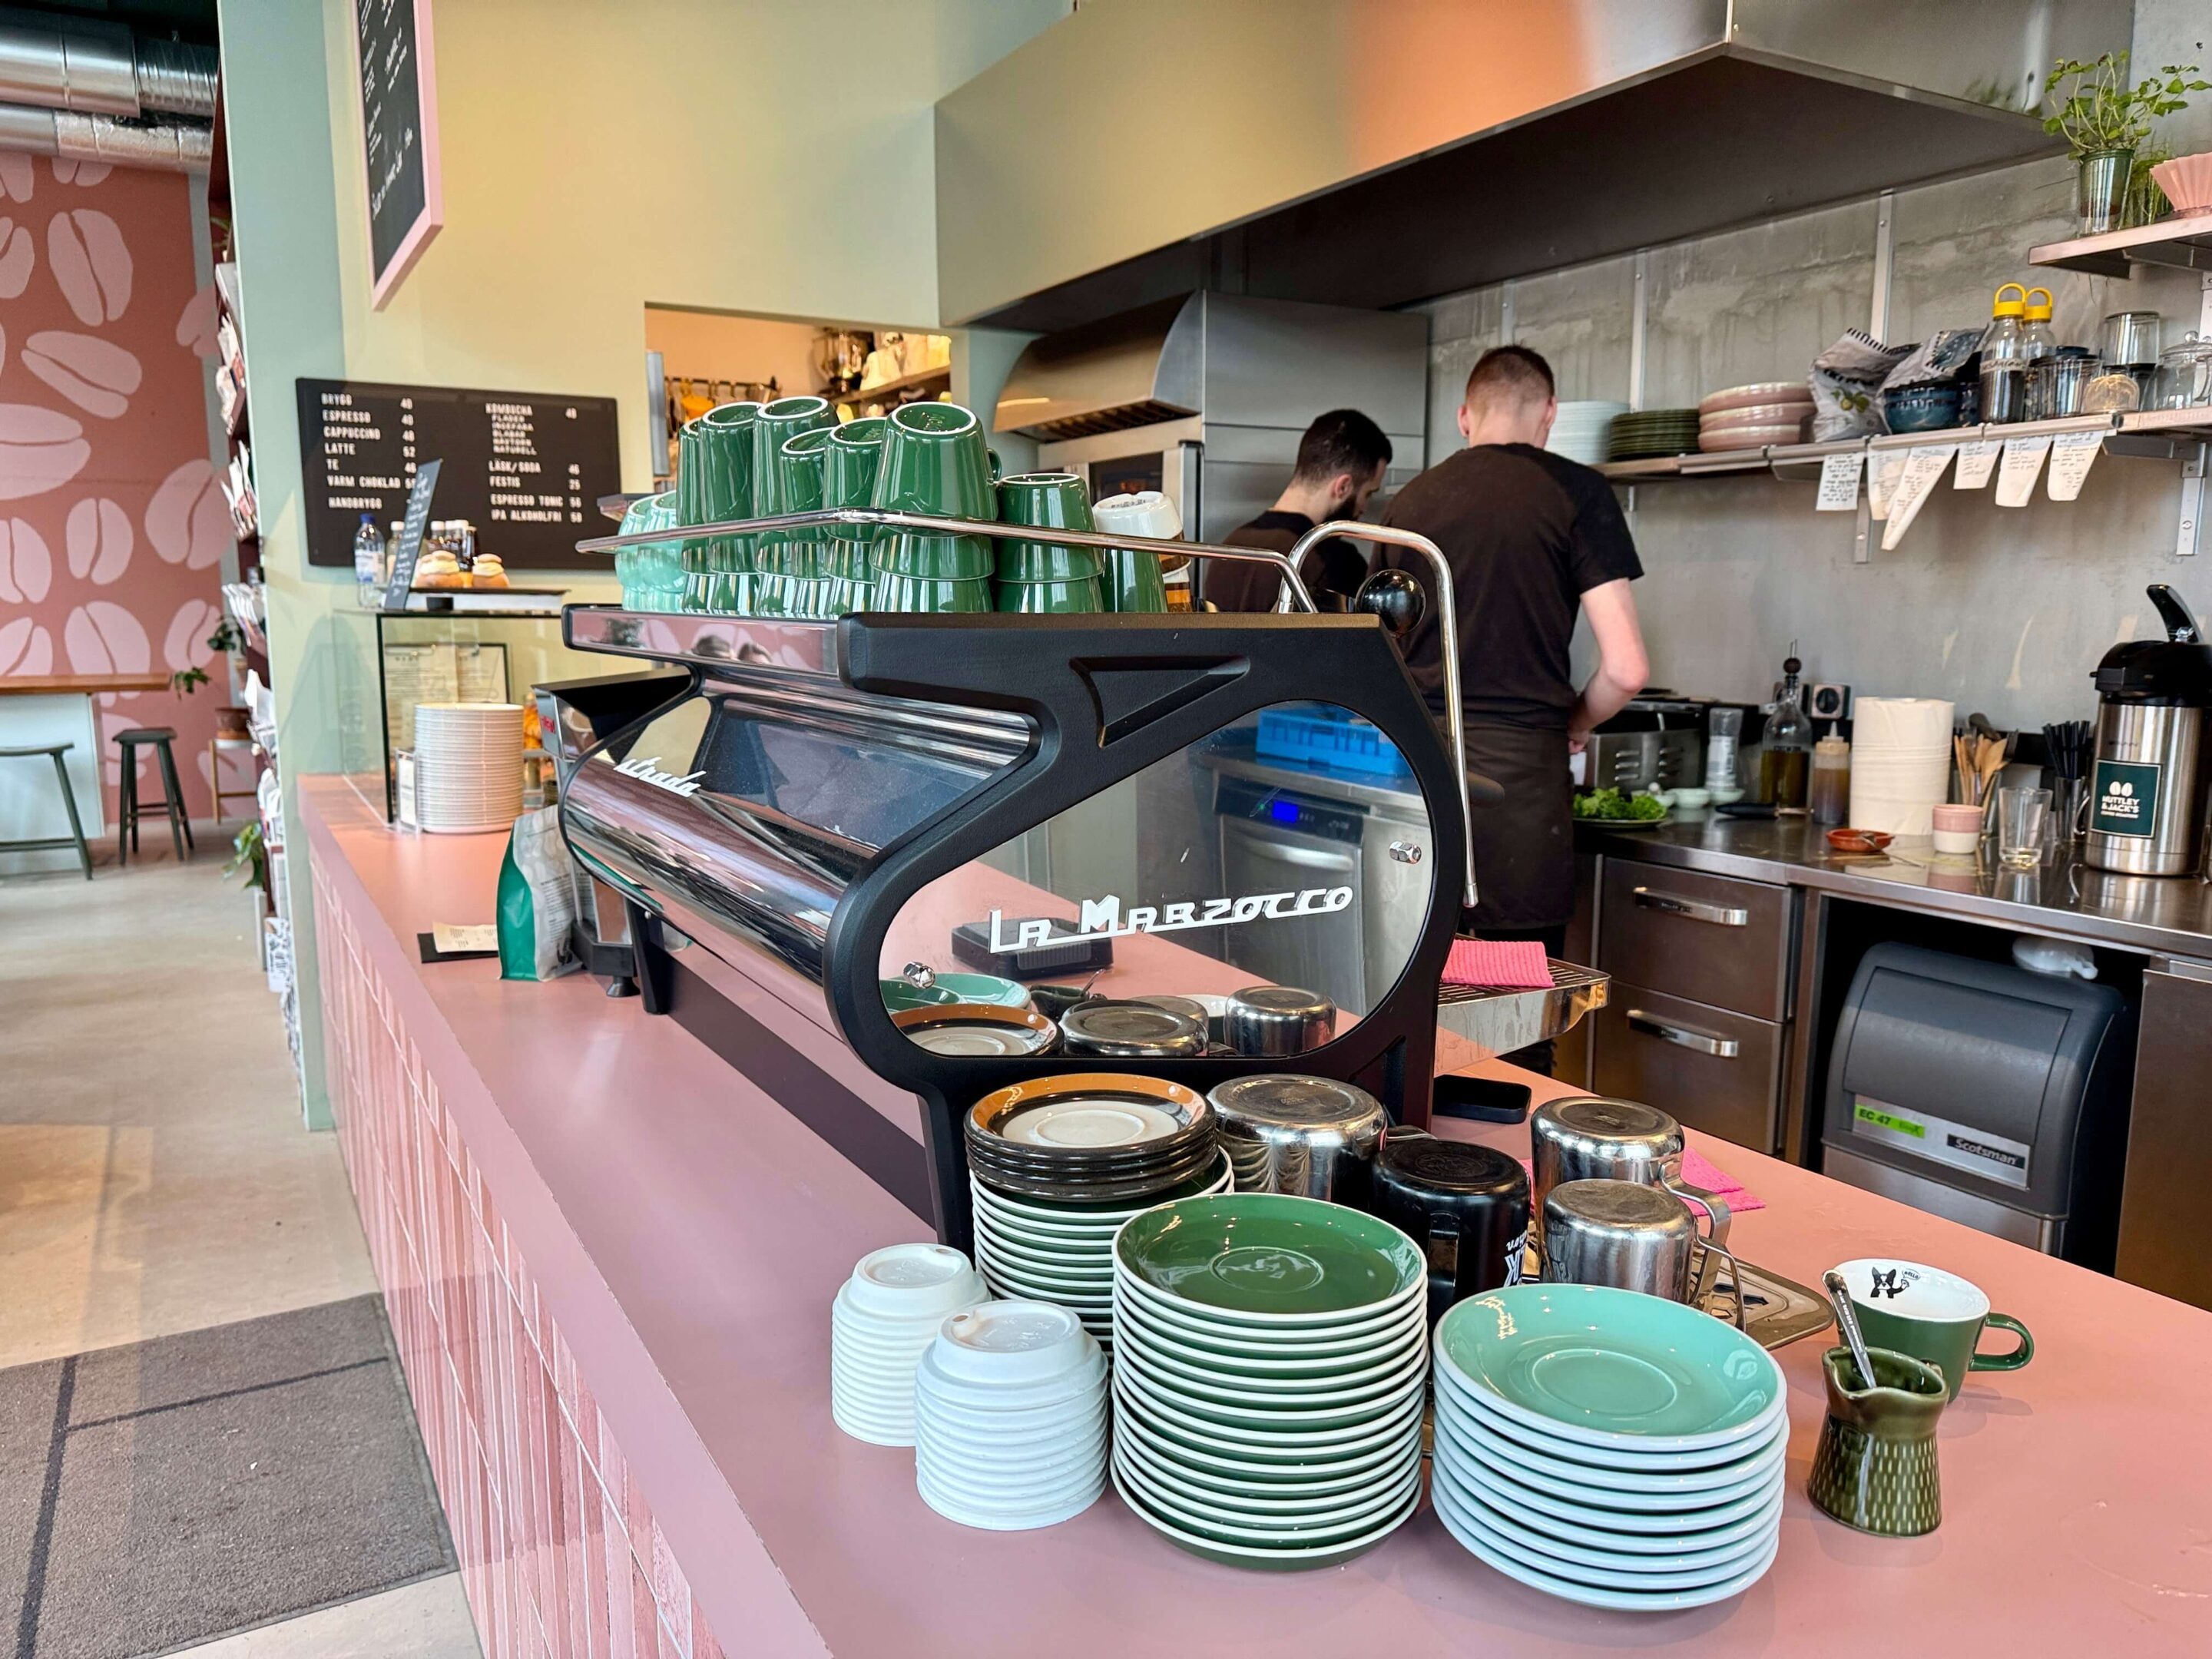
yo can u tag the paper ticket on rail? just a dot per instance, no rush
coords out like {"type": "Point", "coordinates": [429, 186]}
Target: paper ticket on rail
{"type": "Point", "coordinates": [2072, 453]}
{"type": "Point", "coordinates": [2023, 460]}
{"type": "Point", "coordinates": [1977, 462]}
{"type": "Point", "coordinates": [1924, 468]}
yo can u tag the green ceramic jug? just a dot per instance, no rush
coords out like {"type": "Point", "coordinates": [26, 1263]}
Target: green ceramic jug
{"type": "Point", "coordinates": [1875, 1466]}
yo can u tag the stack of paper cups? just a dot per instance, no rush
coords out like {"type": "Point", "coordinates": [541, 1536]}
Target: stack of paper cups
{"type": "Point", "coordinates": [1900, 763]}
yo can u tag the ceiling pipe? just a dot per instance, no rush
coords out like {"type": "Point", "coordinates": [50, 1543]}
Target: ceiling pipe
{"type": "Point", "coordinates": [91, 69]}
{"type": "Point", "coordinates": [170, 146]}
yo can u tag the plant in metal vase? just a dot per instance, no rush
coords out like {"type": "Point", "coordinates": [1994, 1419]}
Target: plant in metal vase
{"type": "Point", "coordinates": [2106, 122]}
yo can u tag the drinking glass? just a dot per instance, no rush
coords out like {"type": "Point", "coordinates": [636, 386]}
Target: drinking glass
{"type": "Point", "coordinates": [2021, 815]}
{"type": "Point", "coordinates": [1724, 731]}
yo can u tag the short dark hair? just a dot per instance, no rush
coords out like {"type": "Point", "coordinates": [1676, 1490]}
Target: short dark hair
{"type": "Point", "coordinates": [1342, 441]}
{"type": "Point", "coordinates": [1510, 373]}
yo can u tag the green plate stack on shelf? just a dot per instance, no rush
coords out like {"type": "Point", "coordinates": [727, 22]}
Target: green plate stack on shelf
{"type": "Point", "coordinates": [1649, 434]}
{"type": "Point", "coordinates": [1270, 1358]}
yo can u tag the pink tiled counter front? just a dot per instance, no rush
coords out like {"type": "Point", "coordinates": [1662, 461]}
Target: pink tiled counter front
{"type": "Point", "coordinates": [558, 1547]}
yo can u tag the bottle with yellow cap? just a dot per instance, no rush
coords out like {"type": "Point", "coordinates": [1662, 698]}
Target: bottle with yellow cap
{"type": "Point", "coordinates": [2042, 354]}
{"type": "Point", "coordinates": [2004, 359]}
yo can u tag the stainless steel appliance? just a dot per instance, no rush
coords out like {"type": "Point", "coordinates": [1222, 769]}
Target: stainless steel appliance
{"type": "Point", "coordinates": [1659, 739]}
{"type": "Point", "coordinates": [1204, 396]}
{"type": "Point", "coordinates": [2145, 806]}
{"type": "Point", "coordinates": [1307, 1135]}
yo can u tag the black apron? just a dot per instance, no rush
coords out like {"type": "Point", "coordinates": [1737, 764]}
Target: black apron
{"type": "Point", "coordinates": [1524, 845]}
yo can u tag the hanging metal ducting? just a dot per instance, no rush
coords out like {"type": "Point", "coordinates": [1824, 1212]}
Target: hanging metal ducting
{"type": "Point", "coordinates": [170, 146]}
{"type": "Point", "coordinates": [99, 69]}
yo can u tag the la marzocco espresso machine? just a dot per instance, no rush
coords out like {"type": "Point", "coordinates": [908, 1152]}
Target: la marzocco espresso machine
{"type": "Point", "coordinates": [797, 812]}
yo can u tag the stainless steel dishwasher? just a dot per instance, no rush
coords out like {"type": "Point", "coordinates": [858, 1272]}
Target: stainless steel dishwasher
{"type": "Point", "coordinates": [1287, 828]}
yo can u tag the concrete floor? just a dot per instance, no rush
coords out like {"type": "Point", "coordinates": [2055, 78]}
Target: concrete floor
{"type": "Point", "coordinates": [153, 1174]}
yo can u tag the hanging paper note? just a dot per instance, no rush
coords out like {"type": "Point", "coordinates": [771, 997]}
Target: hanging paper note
{"type": "Point", "coordinates": [1977, 461]}
{"type": "Point", "coordinates": [1884, 468]}
{"type": "Point", "coordinates": [2071, 456]}
{"type": "Point", "coordinates": [1839, 482]}
{"type": "Point", "coordinates": [1923, 468]}
{"type": "Point", "coordinates": [2023, 460]}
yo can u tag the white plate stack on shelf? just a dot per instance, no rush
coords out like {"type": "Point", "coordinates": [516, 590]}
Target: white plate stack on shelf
{"type": "Point", "coordinates": [883, 1319]}
{"type": "Point", "coordinates": [1010, 1418]}
{"type": "Point", "coordinates": [1752, 417]}
{"type": "Point", "coordinates": [1609, 1448]}
{"type": "Point", "coordinates": [1900, 763]}
{"type": "Point", "coordinates": [468, 766]}
{"type": "Point", "coordinates": [1583, 428]}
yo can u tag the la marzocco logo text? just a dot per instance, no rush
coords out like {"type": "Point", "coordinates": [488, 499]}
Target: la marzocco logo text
{"type": "Point", "coordinates": [1104, 918]}
{"type": "Point", "coordinates": [2119, 801]}
{"type": "Point", "coordinates": [647, 768]}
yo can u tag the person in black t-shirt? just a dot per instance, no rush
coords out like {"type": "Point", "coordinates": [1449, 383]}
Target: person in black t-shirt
{"type": "Point", "coordinates": [1340, 464]}
{"type": "Point", "coordinates": [1533, 540]}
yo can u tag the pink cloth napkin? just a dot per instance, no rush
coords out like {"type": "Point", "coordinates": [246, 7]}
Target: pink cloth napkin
{"type": "Point", "coordinates": [1517, 964]}
{"type": "Point", "coordinates": [1702, 1172]}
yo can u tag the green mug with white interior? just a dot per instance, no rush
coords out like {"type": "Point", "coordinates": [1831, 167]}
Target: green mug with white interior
{"type": "Point", "coordinates": [935, 463]}
{"type": "Point", "coordinates": [1933, 1316]}
{"type": "Point", "coordinates": [727, 486]}
{"type": "Point", "coordinates": [1076, 597]}
{"type": "Point", "coordinates": [777, 425]}
{"type": "Point", "coordinates": [1050, 501]}
{"type": "Point", "coordinates": [799, 473]}
{"type": "Point", "coordinates": [897, 591]}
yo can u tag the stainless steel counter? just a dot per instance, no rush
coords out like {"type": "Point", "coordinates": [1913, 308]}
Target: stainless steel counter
{"type": "Point", "coordinates": [2166, 916]}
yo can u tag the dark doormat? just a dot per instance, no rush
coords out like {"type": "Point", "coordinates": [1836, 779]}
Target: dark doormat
{"type": "Point", "coordinates": [165, 1493]}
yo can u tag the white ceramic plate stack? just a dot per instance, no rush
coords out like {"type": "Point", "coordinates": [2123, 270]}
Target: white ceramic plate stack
{"type": "Point", "coordinates": [1268, 1377]}
{"type": "Point", "coordinates": [1752, 417]}
{"type": "Point", "coordinates": [1616, 1450]}
{"type": "Point", "coordinates": [1011, 1418]}
{"type": "Point", "coordinates": [1049, 1251]}
{"type": "Point", "coordinates": [1581, 431]}
{"type": "Point", "coordinates": [1900, 763]}
{"type": "Point", "coordinates": [468, 766]}
{"type": "Point", "coordinates": [883, 1319]}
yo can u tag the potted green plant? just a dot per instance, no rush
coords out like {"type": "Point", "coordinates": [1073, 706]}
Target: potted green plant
{"type": "Point", "coordinates": [2105, 121]}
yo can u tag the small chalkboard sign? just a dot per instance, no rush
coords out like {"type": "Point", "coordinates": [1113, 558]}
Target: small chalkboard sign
{"type": "Point", "coordinates": [411, 529]}
{"type": "Point", "coordinates": [399, 133]}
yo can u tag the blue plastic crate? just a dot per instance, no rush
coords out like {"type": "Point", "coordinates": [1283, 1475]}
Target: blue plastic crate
{"type": "Point", "coordinates": [1319, 735]}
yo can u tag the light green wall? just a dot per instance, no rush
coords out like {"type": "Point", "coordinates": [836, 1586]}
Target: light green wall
{"type": "Point", "coordinates": [773, 157]}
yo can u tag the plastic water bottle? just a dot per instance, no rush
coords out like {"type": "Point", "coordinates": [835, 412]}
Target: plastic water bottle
{"type": "Point", "coordinates": [368, 562]}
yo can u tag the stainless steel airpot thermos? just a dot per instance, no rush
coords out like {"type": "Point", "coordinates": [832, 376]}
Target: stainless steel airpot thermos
{"type": "Point", "coordinates": [2146, 793]}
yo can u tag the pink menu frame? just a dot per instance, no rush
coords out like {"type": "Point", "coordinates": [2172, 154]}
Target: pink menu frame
{"type": "Point", "coordinates": [433, 216]}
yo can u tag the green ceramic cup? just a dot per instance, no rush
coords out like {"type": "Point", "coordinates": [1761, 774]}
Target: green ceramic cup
{"type": "Point", "coordinates": [934, 461]}
{"type": "Point", "coordinates": [1061, 599]}
{"type": "Point", "coordinates": [799, 479]}
{"type": "Point", "coordinates": [776, 424]}
{"type": "Point", "coordinates": [1055, 501]}
{"type": "Point", "coordinates": [946, 558]}
{"type": "Point", "coordinates": [1130, 581]}
{"type": "Point", "coordinates": [1932, 1316]}
{"type": "Point", "coordinates": [651, 576]}
{"type": "Point", "coordinates": [897, 591]}
{"type": "Point", "coordinates": [726, 485]}
{"type": "Point", "coordinates": [849, 467]}
{"type": "Point", "coordinates": [1875, 1466]}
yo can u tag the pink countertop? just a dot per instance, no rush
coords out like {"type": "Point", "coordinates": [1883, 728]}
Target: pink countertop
{"type": "Point", "coordinates": [689, 1234]}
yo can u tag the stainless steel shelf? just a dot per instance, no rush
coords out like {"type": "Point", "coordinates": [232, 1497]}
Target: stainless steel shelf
{"type": "Point", "coordinates": [2184, 244]}
{"type": "Point", "coordinates": [1504, 1018]}
{"type": "Point", "coordinates": [891, 389]}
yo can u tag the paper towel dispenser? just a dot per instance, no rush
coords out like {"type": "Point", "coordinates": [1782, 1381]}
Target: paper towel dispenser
{"type": "Point", "coordinates": [1985, 1093]}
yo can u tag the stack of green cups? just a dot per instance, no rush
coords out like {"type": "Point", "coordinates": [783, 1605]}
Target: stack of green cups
{"type": "Point", "coordinates": [848, 479]}
{"type": "Point", "coordinates": [1131, 581]}
{"type": "Point", "coordinates": [802, 587]}
{"type": "Point", "coordinates": [652, 577]}
{"type": "Point", "coordinates": [714, 482]}
{"type": "Point", "coordinates": [934, 461]}
{"type": "Point", "coordinates": [779, 422]}
{"type": "Point", "coordinates": [1051, 578]}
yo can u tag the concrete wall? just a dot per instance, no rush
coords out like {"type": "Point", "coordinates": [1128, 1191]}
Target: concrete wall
{"type": "Point", "coordinates": [2005, 612]}
{"type": "Point", "coordinates": [774, 159]}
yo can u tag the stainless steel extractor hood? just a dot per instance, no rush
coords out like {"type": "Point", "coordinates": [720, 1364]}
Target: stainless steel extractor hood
{"type": "Point", "coordinates": [1349, 153]}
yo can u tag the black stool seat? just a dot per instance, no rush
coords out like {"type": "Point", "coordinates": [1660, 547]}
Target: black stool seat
{"type": "Point", "coordinates": [172, 794]}
{"type": "Point", "coordinates": [76, 837]}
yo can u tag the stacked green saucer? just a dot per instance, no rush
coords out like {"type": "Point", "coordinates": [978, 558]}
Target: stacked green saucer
{"type": "Point", "coordinates": [1270, 1353]}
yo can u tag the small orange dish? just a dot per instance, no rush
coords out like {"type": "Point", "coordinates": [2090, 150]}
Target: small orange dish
{"type": "Point", "coordinates": [1859, 840]}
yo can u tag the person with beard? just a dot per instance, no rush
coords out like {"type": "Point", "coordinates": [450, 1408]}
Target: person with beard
{"type": "Point", "coordinates": [1535, 541]}
{"type": "Point", "coordinates": [1340, 462]}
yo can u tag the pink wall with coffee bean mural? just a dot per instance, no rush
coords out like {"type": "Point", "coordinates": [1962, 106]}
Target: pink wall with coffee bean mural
{"type": "Point", "coordinates": [112, 525]}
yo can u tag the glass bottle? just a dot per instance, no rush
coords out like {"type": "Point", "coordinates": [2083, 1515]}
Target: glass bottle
{"type": "Point", "coordinates": [1788, 752]}
{"type": "Point", "coordinates": [1830, 792]}
{"type": "Point", "coordinates": [2004, 360]}
{"type": "Point", "coordinates": [2042, 348]}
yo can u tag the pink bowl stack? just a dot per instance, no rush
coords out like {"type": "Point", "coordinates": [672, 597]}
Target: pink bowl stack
{"type": "Point", "coordinates": [1752, 417]}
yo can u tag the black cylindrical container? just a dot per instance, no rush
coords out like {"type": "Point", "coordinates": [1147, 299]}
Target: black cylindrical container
{"type": "Point", "coordinates": [1466, 1206]}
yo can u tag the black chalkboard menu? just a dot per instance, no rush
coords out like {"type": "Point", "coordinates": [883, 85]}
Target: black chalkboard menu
{"type": "Point", "coordinates": [399, 129]}
{"type": "Point", "coordinates": [524, 467]}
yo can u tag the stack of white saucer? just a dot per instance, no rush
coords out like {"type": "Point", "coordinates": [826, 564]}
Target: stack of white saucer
{"type": "Point", "coordinates": [883, 1319]}
{"type": "Point", "coordinates": [1010, 1418]}
{"type": "Point", "coordinates": [1582, 429]}
{"type": "Point", "coordinates": [468, 766]}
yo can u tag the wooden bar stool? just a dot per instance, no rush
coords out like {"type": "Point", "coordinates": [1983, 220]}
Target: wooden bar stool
{"type": "Point", "coordinates": [172, 793]}
{"type": "Point", "coordinates": [216, 747]}
{"type": "Point", "coordinates": [76, 837]}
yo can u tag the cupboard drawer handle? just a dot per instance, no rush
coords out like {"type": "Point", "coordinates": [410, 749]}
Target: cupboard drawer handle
{"type": "Point", "coordinates": [1720, 915]}
{"type": "Point", "coordinates": [1685, 1037]}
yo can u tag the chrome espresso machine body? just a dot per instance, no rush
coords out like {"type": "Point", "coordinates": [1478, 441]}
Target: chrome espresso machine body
{"type": "Point", "coordinates": [818, 804]}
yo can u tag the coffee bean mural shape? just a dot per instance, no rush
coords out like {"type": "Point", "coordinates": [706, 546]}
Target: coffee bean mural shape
{"type": "Point", "coordinates": [97, 375]}
{"type": "Point", "coordinates": [91, 263]}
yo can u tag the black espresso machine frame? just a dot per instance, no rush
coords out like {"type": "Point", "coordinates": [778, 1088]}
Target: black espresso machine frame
{"type": "Point", "coordinates": [1042, 713]}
